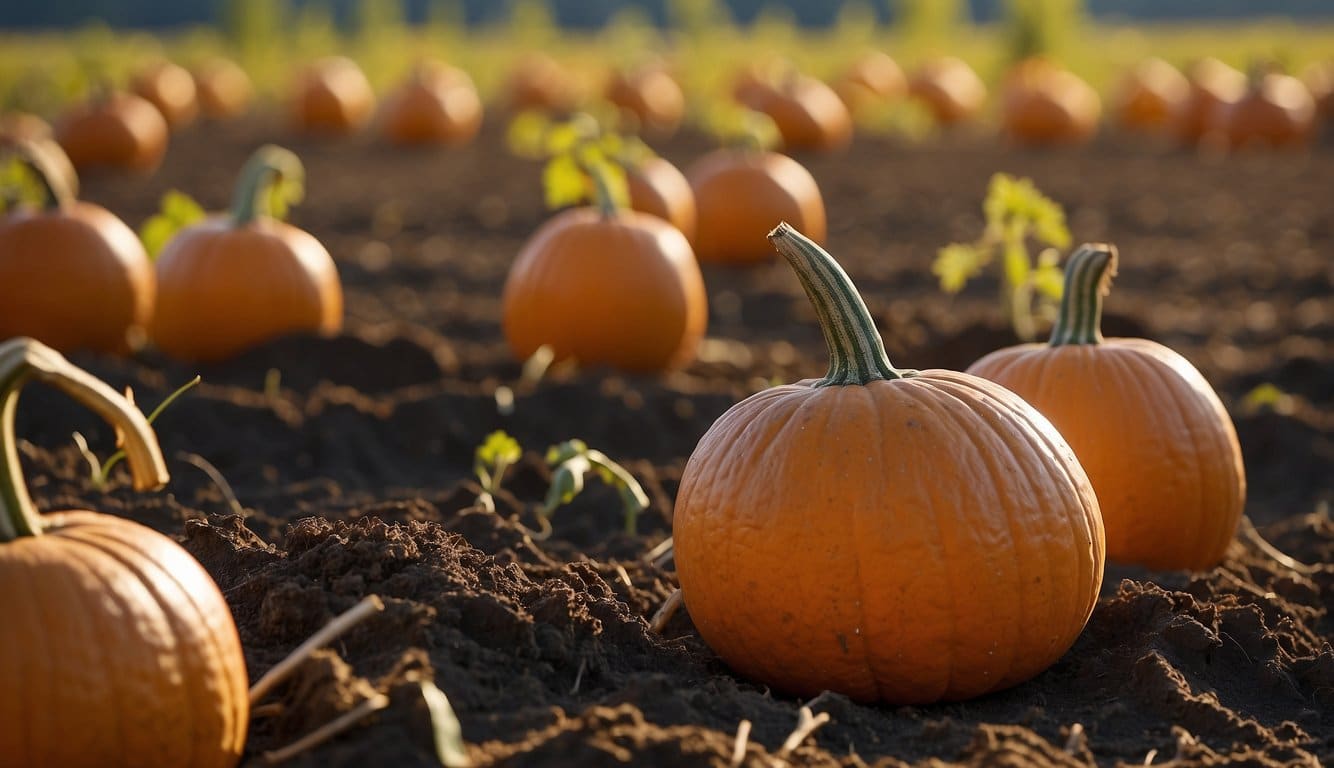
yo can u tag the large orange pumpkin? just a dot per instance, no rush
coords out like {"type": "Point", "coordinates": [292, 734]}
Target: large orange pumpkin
{"type": "Point", "coordinates": [873, 77]}
{"type": "Point", "coordinates": [332, 98]}
{"type": "Point", "coordinates": [1213, 86]}
{"type": "Point", "coordinates": [1149, 95]}
{"type": "Point", "coordinates": [739, 193]}
{"type": "Point", "coordinates": [224, 89]}
{"type": "Point", "coordinates": [117, 647]}
{"type": "Point", "coordinates": [606, 287]}
{"type": "Point", "coordinates": [113, 130]}
{"type": "Point", "coordinates": [657, 187]}
{"type": "Point", "coordinates": [238, 280]}
{"type": "Point", "coordinates": [437, 105]}
{"type": "Point", "coordinates": [1276, 111]}
{"type": "Point", "coordinates": [902, 536]}
{"type": "Point", "coordinates": [651, 96]}
{"type": "Point", "coordinates": [170, 88]}
{"type": "Point", "coordinates": [950, 89]}
{"type": "Point", "coordinates": [1154, 438]}
{"type": "Point", "coordinates": [71, 274]}
{"type": "Point", "coordinates": [1043, 104]}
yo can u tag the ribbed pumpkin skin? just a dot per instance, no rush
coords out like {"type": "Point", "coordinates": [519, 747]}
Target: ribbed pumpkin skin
{"type": "Point", "coordinates": [76, 278]}
{"type": "Point", "coordinates": [224, 288]}
{"type": "Point", "coordinates": [123, 131]}
{"type": "Point", "coordinates": [117, 650]}
{"type": "Point", "coordinates": [1153, 436]}
{"type": "Point", "coordinates": [170, 88]}
{"type": "Point", "coordinates": [332, 98]}
{"type": "Point", "coordinates": [437, 106]}
{"type": "Point", "coordinates": [914, 540]}
{"type": "Point", "coordinates": [624, 292]}
{"type": "Point", "coordinates": [739, 196]}
{"type": "Point", "coordinates": [658, 188]}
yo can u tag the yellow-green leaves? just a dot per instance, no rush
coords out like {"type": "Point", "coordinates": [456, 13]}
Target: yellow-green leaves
{"type": "Point", "coordinates": [497, 453]}
{"type": "Point", "coordinates": [571, 461]}
{"type": "Point", "coordinates": [737, 126]}
{"type": "Point", "coordinates": [286, 191]}
{"type": "Point", "coordinates": [1016, 212]}
{"type": "Point", "coordinates": [176, 212]}
{"type": "Point", "coordinates": [585, 164]}
{"type": "Point", "coordinates": [1268, 396]}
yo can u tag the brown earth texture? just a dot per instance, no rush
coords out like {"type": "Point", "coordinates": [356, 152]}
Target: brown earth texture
{"type": "Point", "coordinates": [352, 457]}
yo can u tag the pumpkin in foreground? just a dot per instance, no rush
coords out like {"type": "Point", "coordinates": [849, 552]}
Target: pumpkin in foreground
{"type": "Point", "coordinates": [1152, 434]}
{"type": "Point", "coordinates": [117, 649]}
{"type": "Point", "coordinates": [890, 535]}
{"type": "Point", "coordinates": [237, 280]}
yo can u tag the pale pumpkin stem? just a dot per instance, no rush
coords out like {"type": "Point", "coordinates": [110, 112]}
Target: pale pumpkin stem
{"type": "Point", "coordinates": [856, 351]}
{"type": "Point", "coordinates": [254, 189]}
{"type": "Point", "coordinates": [603, 197]}
{"type": "Point", "coordinates": [52, 170]}
{"type": "Point", "coordinates": [1088, 277]}
{"type": "Point", "coordinates": [24, 358]}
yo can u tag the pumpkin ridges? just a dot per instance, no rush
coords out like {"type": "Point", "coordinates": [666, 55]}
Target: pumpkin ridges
{"type": "Point", "coordinates": [19, 668]}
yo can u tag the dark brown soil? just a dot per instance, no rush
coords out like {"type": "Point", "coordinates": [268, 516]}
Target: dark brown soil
{"type": "Point", "coordinates": [355, 469]}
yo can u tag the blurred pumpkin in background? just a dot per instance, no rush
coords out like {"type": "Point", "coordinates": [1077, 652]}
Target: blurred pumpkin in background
{"type": "Point", "coordinates": [1213, 86]}
{"type": "Point", "coordinates": [740, 193]}
{"type": "Point", "coordinates": [170, 88]}
{"type": "Point", "coordinates": [438, 104]}
{"type": "Point", "coordinates": [950, 89]}
{"type": "Point", "coordinates": [1149, 95]}
{"type": "Point", "coordinates": [872, 78]}
{"type": "Point", "coordinates": [332, 97]}
{"type": "Point", "coordinates": [1042, 104]}
{"type": "Point", "coordinates": [1277, 110]}
{"type": "Point", "coordinates": [224, 89]}
{"type": "Point", "coordinates": [538, 82]}
{"type": "Point", "coordinates": [651, 95]}
{"type": "Point", "coordinates": [113, 130]}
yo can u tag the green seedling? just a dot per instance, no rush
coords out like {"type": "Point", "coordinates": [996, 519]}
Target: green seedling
{"type": "Point", "coordinates": [571, 461]}
{"type": "Point", "coordinates": [100, 471]}
{"type": "Point", "coordinates": [176, 212]}
{"type": "Point", "coordinates": [1015, 213]}
{"type": "Point", "coordinates": [496, 454]}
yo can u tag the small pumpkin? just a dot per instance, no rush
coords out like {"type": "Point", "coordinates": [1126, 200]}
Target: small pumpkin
{"type": "Point", "coordinates": [332, 97]}
{"type": "Point", "coordinates": [1319, 79]}
{"type": "Point", "coordinates": [539, 83]}
{"type": "Point", "coordinates": [1213, 86]}
{"type": "Point", "coordinates": [606, 286]}
{"type": "Point", "coordinates": [892, 535]}
{"type": "Point", "coordinates": [114, 621]}
{"type": "Point", "coordinates": [950, 89]}
{"type": "Point", "coordinates": [71, 274]}
{"type": "Point", "coordinates": [1149, 95]}
{"type": "Point", "coordinates": [1277, 110]}
{"type": "Point", "coordinates": [657, 187]}
{"type": "Point", "coordinates": [170, 88]}
{"type": "Point", "coordinates": [740, 192]}
{"type": "Point", "coordinates": [808, 113]}
{"type": "Point", "coordinates": [873, 77]}
{"type": "Point", "coordinates": [438, 105]}
{"type": "Point", "coordinates": [225, 90]}
{"type": "Point", "coordinates": [239, 279]}
{"type": "Point", "coordinates": [113, 130]}
{"type": "Point", "coordinates": [1150, 431]}
{"type": "Point", "coordinates": [651, 96]}
{"type": "Point", "coordinates": [1043, 104]}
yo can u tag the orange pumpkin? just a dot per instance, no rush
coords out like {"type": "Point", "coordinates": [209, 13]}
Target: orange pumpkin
{"type": "Point", "coordinates": [658, 188]}
{"type": "Point", "coordinates": [1213, 86]}
{"type": "Point", "coordinates": [1319, 79]}
{"type": "Point", "coordinates": [739, 193]}
{"type": "Point", "coordinates": [902, 536]}
{"type": "Point", "coordinates": [538, 82]}
{"type": "Point", "coordinates": [114, 622]}
{"type": "Point", "coordinates": [1043, 104]}
{"type": "Point", "coordinates": [170, 88]}
{"type": "Point", "coordinates": [234, 281]}
{"type": "Point", "coordinates": [606, 287]}
{"type": "Point", "coordinates": [114, 130]}
{"type": "Point", "coordinates": [71, 274]}
{"type": "Point", "coordinates": [651, 96]}
{"type": "Point", "coordinates": [950, 89]}
{"type": "Point", "coordinates": [224, 89]}
{"type": "Point", "coordinates": [1154, 438]}
{"type": "Point", "coordinates": [1149, 95]}
{"type": "Point", "coordinates": [332, 97]}
{"type": "Point", "coordinates": [437, 105]}
{"type": "Point", "coordinates": [1277, 111]}
{"type": "Point", "coordinates": [874, 77]}
{"type": "Point", "coordinates": [809, 115]}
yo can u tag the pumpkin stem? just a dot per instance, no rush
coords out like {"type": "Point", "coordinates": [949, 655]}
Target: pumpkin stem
{"type": "Point", "coordinates": [856, 351]}
{"type": "Point", "coordinates": [1088, 277]}
{"type": "Point", "coordinates": [23, 358]}
{"type": "Point", "coordinates": [52, 171]}
{"type": "Point", "coordinates": [254, 196]}
{"type": "Point", "coordinates": [603, 196]}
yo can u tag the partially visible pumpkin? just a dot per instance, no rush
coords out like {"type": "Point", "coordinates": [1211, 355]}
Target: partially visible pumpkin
{"type": "Point", "coordinates": [170, 88]}
{"type": "Point", "coordinates": [1149, 95]}
{"type": "Point", "coordinates": [240, 279]}
{"type": "Point", "coordinates": [872, 78]}
{"type": "Point", "coordinates": [332, 97]}
{"type": "Point", "coordinates": [113, 130]}
{"type": "Point", "coordinates": [1043, 104]}
{"type": "Point", "coordinates": [1213, 86]}
{"type": "Point", "coordinates": [538, 82]}
{"type": "Point", "coordinates": [950, 89]}
{"type": "Point", "coordinates": [224, 89]}
{"type": "Point", "coordinates": [72, 275]}
{"type": "Point", "coordinates": [107, 618]}
{"type": "Point", "coordinates": [651, 96]}
{"type": "Point", "coordinates": [1319, 79]}
{"type": "Point", "coordinates": [438, 105]}
{"type": "Point", "coordinates": [739, 193]}
{"type": "Point", "coordinates": [808, 113]}
{"type": "Point", "coordinates": [658, 188]}
{"type": "Point", "coordinates": [1277, 110]}
{"type": "Point", "coordinates": [891, 535]}
{"type": "Point", "coordinates": [1153, 436]}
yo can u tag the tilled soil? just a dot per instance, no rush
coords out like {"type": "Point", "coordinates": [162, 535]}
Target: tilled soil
{"type": "Point", "coordinates": [352, 458]}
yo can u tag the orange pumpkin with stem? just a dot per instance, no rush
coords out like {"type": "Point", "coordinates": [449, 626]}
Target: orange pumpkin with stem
{"type": "Point", "coordinates": [225, 90]}
{"type": "Point", "coordinates": [1277, 110]}
{"type": "Point", "coordinates": [1154, 438]}
{"type": "Point", "coordinates": [71, 274]}
{"type": "Point", "coordinates": [606, 286]}
{"type": "Point", "coordinates": [239, 279]}
{"type": "Point", "coordinates": [170, 88]}
{"type": "Point", "coordinates": [114, 621]}
{"type": "Point", "coordinates": [332, 98]}
{"type": "Point", "coordinates": [950, 89]}
{"type": "Point", "coordinates": [438, 105]}
{"type": "Point", "coordinates": [1149, 95]}
{"type": "Point", "coordinates": [113, 130]}
{"type": "Point", "coordinates": [890, 535]}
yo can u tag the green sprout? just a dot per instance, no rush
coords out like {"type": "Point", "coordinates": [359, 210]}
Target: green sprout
{"type": "Point", "coordinates": [497, 453]}
{"type": "Point", "coordinates": [571, 461]}
{"type": "Point", "coordinates": [176, 212]}
{"type": "Point", "coordinates": [100, 471]}
{"type": "Point", "coordinates": [1015, 212]}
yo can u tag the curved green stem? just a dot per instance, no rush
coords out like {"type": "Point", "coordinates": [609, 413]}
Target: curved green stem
{"type": "Point", "coordinates": [1088, 277]}
{"type": "Point", "coordinates": [254, 188]}
{"type": "Point", "coordinates": [856, 351]}
{"type": "Point", "coordinates": [22, 359]}
{"type": "Point", "coordinates": [603, 196]}
{"type": "Point", "coordinates": [52, 170]}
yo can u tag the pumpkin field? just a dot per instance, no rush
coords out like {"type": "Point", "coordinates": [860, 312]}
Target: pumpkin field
{"type": "Point", "coordinates": [614, 428]}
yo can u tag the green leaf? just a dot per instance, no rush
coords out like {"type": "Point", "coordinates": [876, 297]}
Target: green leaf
{"type": "Point", "coordinates": [1268, 395]}
{"type": "Point", "coordinates": [955, 264]}
{"type": "Point", "coordinates": [1016, 263]}
{"type": "Point", "coordinates": [176, 212]}
{"type": "Point", "coordinates": [527, 134]}
{"type": "Point", "coordinates": [497, 448]}
{"type": "Point", "coordinates": [564, 182]}
{"type": "Point", "coordinates": [1048, 278]}
{"type": "Point", "coordinates": [445, 727]}
{"type": "Point", "coordinates": [566, 483]}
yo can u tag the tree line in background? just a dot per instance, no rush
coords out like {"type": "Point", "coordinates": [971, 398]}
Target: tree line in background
{"type": "Point", "coordinates": [596, 13]}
